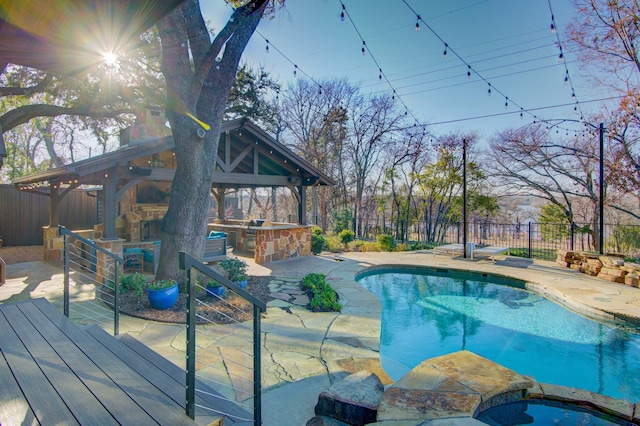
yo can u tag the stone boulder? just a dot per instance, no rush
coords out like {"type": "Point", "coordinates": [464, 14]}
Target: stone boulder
{"type": "Point", "coordinates": [353, 400]}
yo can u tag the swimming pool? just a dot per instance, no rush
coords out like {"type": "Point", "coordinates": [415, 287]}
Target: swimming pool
{"type": "Point", "coordinates": [428, 313]}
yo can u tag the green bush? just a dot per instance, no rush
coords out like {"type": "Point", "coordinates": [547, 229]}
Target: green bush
{"type": "Point", "coordinates": [386, 242]}
{"type": "Point", "coordinates": [325, 298]}
{"type": "Point", "coordinates": [133, 283]}
{"type": "Point", "coordinates": [333, 244]}
{"type": "Point", "coordinates": [316, 230]}
{"type": "Point", "coordinates": [317, 243]}
{"type": "Point", "coordinates": [346, 236]}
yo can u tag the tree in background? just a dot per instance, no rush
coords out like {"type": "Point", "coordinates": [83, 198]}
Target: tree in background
{"type": "Point", "coordinates": [313, 120]}
{"type": "Point", "coordinates": [606, 35]}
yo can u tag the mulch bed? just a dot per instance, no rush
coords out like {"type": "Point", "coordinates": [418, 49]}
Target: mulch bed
{"type": "Point", "coordinates": [231, 309]}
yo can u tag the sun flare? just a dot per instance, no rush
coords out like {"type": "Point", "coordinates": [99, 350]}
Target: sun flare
{"type": "Point", "coordinates": [110, 58]}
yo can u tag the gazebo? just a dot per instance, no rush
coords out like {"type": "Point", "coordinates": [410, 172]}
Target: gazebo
{"type": "Point", "coordinates": [134, 185]}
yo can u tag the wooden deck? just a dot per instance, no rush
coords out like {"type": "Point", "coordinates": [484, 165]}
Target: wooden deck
{"type": "Point", "coordinates": [54, 372]}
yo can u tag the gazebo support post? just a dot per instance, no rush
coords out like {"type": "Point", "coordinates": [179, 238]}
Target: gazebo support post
{"type": "Point", "coordinates": [302, 205]}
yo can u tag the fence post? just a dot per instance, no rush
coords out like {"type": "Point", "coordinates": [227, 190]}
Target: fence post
{"type": "Point", "coordinates": [572, 235]}
{"type": "Point", "coordinates": [529, 241]}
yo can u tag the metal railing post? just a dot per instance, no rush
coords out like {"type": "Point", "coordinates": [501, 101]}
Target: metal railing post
{"type": "Point", "coordinates": [191, 344]}
{"type": "Point", "coordinates": [116, 299]}
{"type": "Point", "coordinates": [257, 368]}
{"type": "Point", "coordinates": [572, 234]}
{"type": "Point", "coordinates": [65, 263]}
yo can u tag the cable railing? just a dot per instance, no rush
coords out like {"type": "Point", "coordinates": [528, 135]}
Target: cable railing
{"type": "Point", "coordinates": [223, 344]}
{"type": "Point", "coordinates": [92, 286]}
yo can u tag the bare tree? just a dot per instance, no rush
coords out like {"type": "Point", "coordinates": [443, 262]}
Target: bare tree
{"type": "Point", "coordinates": [563, 172]}
{"type": "Point", "coordinates": [607, 36]}
{"type": "Point", "coordinates": [372, 122]}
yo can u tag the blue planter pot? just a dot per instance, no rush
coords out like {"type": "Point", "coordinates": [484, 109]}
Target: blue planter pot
{"type": "Point", "coordinates": [164, 298]}
{"type": "Point", "coordinates": [241, 284]}
{"type": "Point", "coordinates": [216, 291]}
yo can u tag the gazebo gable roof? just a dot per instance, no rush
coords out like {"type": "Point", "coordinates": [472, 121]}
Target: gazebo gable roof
{"type": "Point", "coordinates": [254, 159]}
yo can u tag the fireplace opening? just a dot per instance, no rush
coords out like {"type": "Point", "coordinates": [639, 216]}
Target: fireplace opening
{"type": "Point", "coordinates": [150, 230]}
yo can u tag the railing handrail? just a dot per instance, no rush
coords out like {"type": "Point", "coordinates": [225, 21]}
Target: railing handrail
{"type": "Point", "coordinates": [64, 231]}
{"type": "Point", "coordinates": [187, 263]}
{"type": "Point", "coordinates": [118, 260]}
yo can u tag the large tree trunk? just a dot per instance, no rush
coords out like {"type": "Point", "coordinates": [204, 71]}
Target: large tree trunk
{"type": "Point", "coordinates": [201, 91]}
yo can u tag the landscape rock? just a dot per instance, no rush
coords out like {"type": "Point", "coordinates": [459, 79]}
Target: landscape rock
{"type": "Point", "coordinates": [353, 400]}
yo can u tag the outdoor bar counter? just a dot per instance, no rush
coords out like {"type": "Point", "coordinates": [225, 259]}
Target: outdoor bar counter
{"type": "Point", "coordinates": [268, 241]}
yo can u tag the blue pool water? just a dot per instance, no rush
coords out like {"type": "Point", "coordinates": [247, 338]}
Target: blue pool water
{"type": "Point", "coordinates": [425, 316]}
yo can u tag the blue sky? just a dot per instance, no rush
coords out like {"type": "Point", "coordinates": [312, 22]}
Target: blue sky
{"type": "Point", "coordinates": [507, 42]}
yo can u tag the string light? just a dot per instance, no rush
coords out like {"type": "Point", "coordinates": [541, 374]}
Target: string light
{"type": "Point", "coordinates": [418, 18]}
{"type": "Point", "coordinates": [295, 70]}
{"type": "Point", "coordinates": [560, 56]}
{"type": "Point", "coordinates": [380, 74]}
{"type": "Point", "coordinates": [363, 45]}
{"type": "Point", "coordinates": [506, 103]}
{"type": "Point", "coordinates": [444, 54]}
{"type": "Point", "coordinates": [489, 91]}
{"type": "Point", "coordinates": [267, 47]}
{"type": "Point", "coordinates": [468, 71]}
{"type": "Point", "coordinates": [553, 25]}
{"type": "Point", "coordinates": [342, 14]}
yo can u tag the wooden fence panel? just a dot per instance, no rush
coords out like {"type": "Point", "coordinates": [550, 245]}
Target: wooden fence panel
{"type": "Point", "coordinates": [23, 214]}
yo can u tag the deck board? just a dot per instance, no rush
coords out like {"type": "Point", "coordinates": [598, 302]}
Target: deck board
{"type": "Point", "coordinates": [65, 377]}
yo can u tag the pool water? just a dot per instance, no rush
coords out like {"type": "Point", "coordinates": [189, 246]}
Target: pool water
{"type": "Point", "coordinates": [424, 316]}
{"type": "Point", "coordinates": [544, 414]}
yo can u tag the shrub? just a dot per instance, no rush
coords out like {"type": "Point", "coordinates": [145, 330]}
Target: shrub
{"type": "Point", "coordinates": [346, 236]}
{"type": "Point", "coordinates": [369, 246]}
{"type": "Point", "coordinates": [333, 244]}
{"type": "Point", "coordinates": [235, 269]}
{"type": "Point", "coordinates": [317, 243]}
{"type": "Point", "coordinates": [133, 283]}
{"type": "Point", "coordinates": [325, 298]}
{"type": "Point", "coordinates": [386, 242]}
{"type": "Point", "coordinates": [316, 230]}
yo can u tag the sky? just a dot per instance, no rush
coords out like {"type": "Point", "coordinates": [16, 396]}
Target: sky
{"type": "Point", "coordinates": [507, 43]}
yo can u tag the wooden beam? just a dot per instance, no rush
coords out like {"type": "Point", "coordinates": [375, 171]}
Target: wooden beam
{"type": "Point", "coordinates": [242, 179]}
{"type": "Point", "coordinates": [240, 157]}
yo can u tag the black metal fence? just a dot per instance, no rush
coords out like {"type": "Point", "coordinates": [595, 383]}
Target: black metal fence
{"type": "Point", "coordinates": [532, 239]}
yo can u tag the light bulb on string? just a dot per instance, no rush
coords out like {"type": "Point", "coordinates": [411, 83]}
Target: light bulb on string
{"type": "Point", "coordinates": [560, 57]}
{"type": "Point", "coordinates": [553, 25]}
{"type": "Point", "coordinates": [506, 103]}
{"type": "Point", "coordinates": [573, 94]}
{"type": "Point", "coordinates": [363, 45]}
{"type": "Point", "coordinates": [267, 47]}
{"type": "Point", "coordinates": [319, 89]}
{"type": "Point", "coordinates": [521, 115]}
{"type": "Point", "coordinates": [444, 54]}
{"type": "Point", "coordinates": [342, 14]}
{"type": "Point", "coordinates": [394, 95]}
{"type": "Point", "coordinates": [295, 70]}
{"type": "Point", "coordinates": [489, 90]}
{"type": "Point", "coordinates": [418, 23]}
{"type": "Point", "coordinates": [380, 74]}
{"type": "Point", "coordinates": [468, 71]}
{"type": "Point", "coordinates": [566, 78]}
